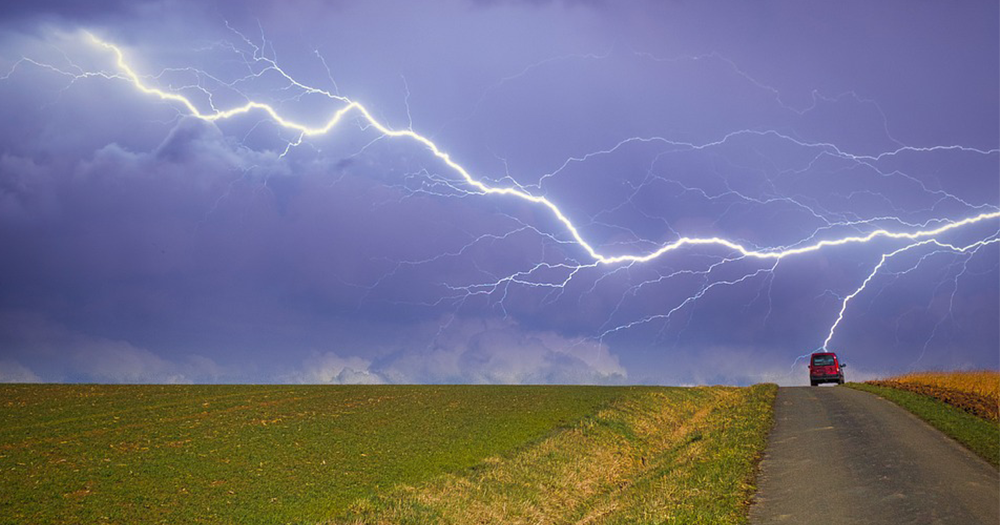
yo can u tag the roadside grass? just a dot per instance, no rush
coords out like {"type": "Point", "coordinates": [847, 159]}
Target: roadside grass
{"type": "Point", "coordinates": [254, 454]}
{"type": "Point", "coordinates": [979, 435]}
{"type": "Point", "coordinates": [677, 455]}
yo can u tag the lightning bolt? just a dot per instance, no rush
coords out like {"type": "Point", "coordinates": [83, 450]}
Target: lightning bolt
{"type": "Point", "coordinates": [885, 257]}
{"type": "Point", "coordinates": [352, 106]}
{"type": "Point", "coordinates": [913, 234]}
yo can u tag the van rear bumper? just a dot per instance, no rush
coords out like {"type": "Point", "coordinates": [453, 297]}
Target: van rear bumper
{"type": "Point", "coordinates": [825, 379]}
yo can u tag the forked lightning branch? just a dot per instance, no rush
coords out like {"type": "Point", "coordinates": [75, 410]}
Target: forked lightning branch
{"type": "Point", "coordinates": [910, 238]}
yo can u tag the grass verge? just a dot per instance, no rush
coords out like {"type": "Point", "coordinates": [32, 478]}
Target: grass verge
{"type": "Point", "coordinates": [677, 455]}
{"type": "Point", "coordinates": [977, 434]}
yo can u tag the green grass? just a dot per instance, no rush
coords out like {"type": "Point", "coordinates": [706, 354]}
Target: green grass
{"type": "Point", "coordinates": [671, 455]}
{"type": "Point", "coordinates": [977, 434]}
{"type": "Point", "coordinates": [378, 454]}
{"type": "Point", "coordinates": [710, 477]}
{"type": "Point", "coordinates": [252, 454]}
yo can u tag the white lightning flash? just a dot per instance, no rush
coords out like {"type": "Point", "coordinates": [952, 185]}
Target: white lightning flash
{"type": "Point", "coordinates": [912, 234]}
{"type": "Point", "coordinates": [338, 116]}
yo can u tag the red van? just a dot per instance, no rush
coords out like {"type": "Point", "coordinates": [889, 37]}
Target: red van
{"type": "Point", "coordinates": [824, 367]}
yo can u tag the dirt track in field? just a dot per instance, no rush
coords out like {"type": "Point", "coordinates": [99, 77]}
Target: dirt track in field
{"type": "Point", "coordinates": [838, 455]}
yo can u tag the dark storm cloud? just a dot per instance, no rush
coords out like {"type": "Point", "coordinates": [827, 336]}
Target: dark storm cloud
{"type": "Point", "coordinates": [536, 3]}
{"type": "Point", "coordinates": [22, 12]}
{"type": "Point", "coordinates": [105, 10]}
{"type": "Point", "coordinates": [144, 245]}
{"type": "Point", "coordinates": [66, 355]}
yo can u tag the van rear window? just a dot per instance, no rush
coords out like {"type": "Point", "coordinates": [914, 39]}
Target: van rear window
{"type": "Point", "coordinates": [822, 360]}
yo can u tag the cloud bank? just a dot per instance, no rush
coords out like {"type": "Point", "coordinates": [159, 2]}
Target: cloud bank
{"type": "Point", "coordinates": [478, 352]}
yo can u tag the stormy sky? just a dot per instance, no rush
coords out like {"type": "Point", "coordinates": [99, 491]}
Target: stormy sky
{"type": "Point", "coordinates": [142, 243]}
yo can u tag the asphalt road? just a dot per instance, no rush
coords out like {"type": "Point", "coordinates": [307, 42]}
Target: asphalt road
{"type": "Point", "coordinates": [841, 456]}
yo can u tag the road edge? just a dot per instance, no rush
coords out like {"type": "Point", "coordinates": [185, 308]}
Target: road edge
{"type": "Point", "coordinates": [978, 435]}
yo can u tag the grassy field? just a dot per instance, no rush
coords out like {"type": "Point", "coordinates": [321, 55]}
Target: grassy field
{"type": "Point", "coordinates": [979, 434]}
{"type": "Point", "coordinates": [306, 454]}
{"type": "Point", "coordinates": [976, 392]}
{"type": "Point", "coordinates": [982, 382]}
{"type": "Point", "coordinates": [679, 455]}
